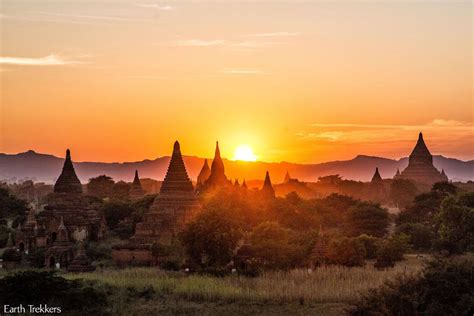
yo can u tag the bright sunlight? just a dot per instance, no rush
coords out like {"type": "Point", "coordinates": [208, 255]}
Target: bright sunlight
{"type": "Point", "coordinates": [245, 153]}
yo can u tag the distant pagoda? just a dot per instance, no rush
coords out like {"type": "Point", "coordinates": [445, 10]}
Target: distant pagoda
{"type": "Point", "coordinates": [420, 166]}
{"type": "Point", "coordinates": [376, 178]}
{"type": "Point", "coordinates": [174, 206]}
{"type": "Point", "coordinates": [217, 178]}
{"type": "Point", "coordinates": [204, 174]}
{"type": "Point", "coordinates": [68, 182]}
{"type": "Point", "coordinates": [287, 177]}
{"type": "Point", "coordinates": [267, 188]}
{"type": "Point", "coordinates": [136, 190]}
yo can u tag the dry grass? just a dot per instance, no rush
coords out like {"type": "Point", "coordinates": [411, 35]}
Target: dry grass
{"type": "Point", "coordinates": [330, 284]}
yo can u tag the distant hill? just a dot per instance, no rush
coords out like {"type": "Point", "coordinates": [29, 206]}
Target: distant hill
{"type": "Point", "coordinates": [45, 168]}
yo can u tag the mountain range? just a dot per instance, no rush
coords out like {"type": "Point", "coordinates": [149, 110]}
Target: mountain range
{"type": "Point", "coordinates": [46, 168]}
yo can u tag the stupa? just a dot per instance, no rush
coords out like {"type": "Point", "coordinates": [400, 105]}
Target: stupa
{"type": "Point", "coordinates": [267, 188]}
{"type": "Point", "coordinates": [136, 190]}
{"type": "Point", "coordinates": [287, 177]}
{"type": "Point", "coordinates": [217, 178]}
{"type": "Point", "coordinates": [175, 205]}
{"type": "Point", "coordinates": [420, 166]}
{"type": "Point", "coordinates": [203, 174]}
{"type": "Point", "coordinates": [68, 182]}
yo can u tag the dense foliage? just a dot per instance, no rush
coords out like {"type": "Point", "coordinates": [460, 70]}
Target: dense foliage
{"type": "Point", "coordinates": [444, 288]}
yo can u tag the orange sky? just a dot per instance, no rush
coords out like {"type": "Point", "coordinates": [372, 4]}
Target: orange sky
{"type": "Point", "coordinates": [299, 82]}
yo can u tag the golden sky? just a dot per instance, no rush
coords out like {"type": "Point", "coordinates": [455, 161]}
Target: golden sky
{"type": "Point", "coordinates": [296, 81]}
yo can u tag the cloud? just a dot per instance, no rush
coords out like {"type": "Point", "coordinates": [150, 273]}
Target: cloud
{"type": "Point", "coordinates": [50, 60]}
{"type": "Point", "coordinates": [93, 17]}
{"type": "Point", "coordinates": [199, 43]}
{"type": "Point", "coordinates": [155, 6]}
{"type": "Point", "coordinates": [233, 71]}
{"type": "Point", "coordinates": [379, 133]}
{"type": "Point", "coordinates": [276, 34]}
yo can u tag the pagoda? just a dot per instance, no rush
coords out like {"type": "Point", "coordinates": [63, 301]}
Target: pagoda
{"type": "Point", "coordinates": [376, 178]}
{"type": "Point", "coordinates": [174, 206]}
{"type": "Point", "coordinates": [68, 182]}
{"type": "Point", "coordinates": [217, 178]}
{"type": "Point", "coordinates": [203, 175]}
{"type": "Point", "coordinates": [267, 188]}
{"type": "Point", "coordinates": [287, 177]}
{"type": "Point", "coordinates": [136, 190]}
{"type": "Point", "coordinates": [420, 166]}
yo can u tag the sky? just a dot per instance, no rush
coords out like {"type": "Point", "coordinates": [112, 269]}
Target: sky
{"type": "Point", "coordinates": [295, 81]}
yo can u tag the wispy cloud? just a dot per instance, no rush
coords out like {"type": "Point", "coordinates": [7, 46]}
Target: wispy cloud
{"type": "Point", "coordinates": [155, 6]}
{"type": "Point", "coordinates": [93, 17]}
{"type": "Point", "coordinates": [379, 133]}
{"type": "Point", "coordinates": [235, 71]}
{"type": "Point", "coordinates": [50, 60]}
{"type": "Point", "coordinates": [276, 34]}
{"type": "Point", "coordinates": [199, 43]}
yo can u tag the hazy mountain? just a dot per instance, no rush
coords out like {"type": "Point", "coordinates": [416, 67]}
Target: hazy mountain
{"type": "Point", "coordinates": [45, 168]}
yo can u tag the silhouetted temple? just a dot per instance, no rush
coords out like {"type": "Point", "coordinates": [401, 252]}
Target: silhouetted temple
{"type": "Point", "coordinates": [420, 166]}
{"type": "Point", "coordinates": [376, 178]}
{"type": "Point", "coordinates": [267, 188]}
{"type": "Point", "coordinates": [203, 174]}
{"type": "Point", "coordinates": [68, 182]}
{"type": "Point", "coordinates": [172, 209]}
{"type": "Point", "coordinates": [287, 177]}
{"type": "Point", "coordinates": [217, 178]}
{"type": "Point", "coordinates": [136, 190]}
{"type": "Point", "coordinates": [69, 217]}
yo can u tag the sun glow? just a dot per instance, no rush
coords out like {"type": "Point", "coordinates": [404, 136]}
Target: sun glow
{"type": "Point", "coordinates": [244, 153]}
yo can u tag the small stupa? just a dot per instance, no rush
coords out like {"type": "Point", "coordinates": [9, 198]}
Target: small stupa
{"type": "Point", "coordinates": [267, 188]}
{"type": "Point", "coordinates": [68, 182]}
{"type": "Point", "coordinates": [136, 190]}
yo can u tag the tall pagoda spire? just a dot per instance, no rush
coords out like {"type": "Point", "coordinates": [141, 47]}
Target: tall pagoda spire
{"type": "Point", "coordinates": [176, 179]}
{"type": "Point", "coordinates": [217, 176]}
{"type": "Point", "coordinates": [68, 182]}
{"type": "Point", "coordinates": [204, 173]}
{"type": "Point", "coordinates": [376, 178]}
{"type": "Point", "coordinates": [136, 190]}
{"type": "Point", "coordinates": [267, 186]}
{"type": "Point", "coordinates": [287, 177]}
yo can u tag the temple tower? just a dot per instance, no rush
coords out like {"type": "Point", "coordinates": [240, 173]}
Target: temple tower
{"type": "Point", "coordinates": [287, 177]}
{"type": "Point", "coordinates": [267, 188]}
{"type": "Point", "coordinates": [68, 182]}
{"type": "Point", "coordinates": [217, 177]}
{"type": "Point", "coordinates": [420, 166]}
{"type": "Point", "coordinates": [136, 190]}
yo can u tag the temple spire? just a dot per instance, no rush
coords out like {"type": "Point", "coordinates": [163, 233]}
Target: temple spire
{"type": "Point", "coordinates": [217, 177]}
{"type": "Point", "coordinates": [244, 184]}
{"type": "Point", "coordinates": [287, 177]}
{"type": "Point", "coordinates": [176, 179]}
{"type": "Point", "coordinates": [204, 173]}
{"type": "Point", "coordinates": [267, 186]}
{"type": "Point", "coordinates": [68, 182]}
{"type": "Point", "coordinates": [376, 178]}
{"type": "Point", "coordinates": [136, 190]}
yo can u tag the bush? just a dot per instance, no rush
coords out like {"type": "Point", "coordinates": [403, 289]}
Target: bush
{"type": "Point", "coordinates": [371, 245]}
{"type": "Point", "coordinates": [34, 288]}
{"type": "Point", "coordinates": [421, 236]}
{"type": "Point", "coordinates": [348, 252]}
{"type": "Point", "coordinates": [36, 258]}
{"type": "Point", "coordinates": [443, 288]}
{"type": "Point", "coordinates": [392, 250]}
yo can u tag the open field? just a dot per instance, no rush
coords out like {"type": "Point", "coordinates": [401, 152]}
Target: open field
{"type": "Point", "coordinates": [327, 290]}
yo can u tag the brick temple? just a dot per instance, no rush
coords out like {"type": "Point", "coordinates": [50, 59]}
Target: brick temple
{"type": "Point", "coordinates": [174, 206]}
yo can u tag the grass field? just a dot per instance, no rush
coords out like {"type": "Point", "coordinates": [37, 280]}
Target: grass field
{"type": "Point", "coordinates": [325, 291]}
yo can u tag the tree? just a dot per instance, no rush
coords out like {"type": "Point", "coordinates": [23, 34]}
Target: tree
{"type": "Point", "coordinates": [421, 235]}
{"type": "Point", "coordinates": [367, 218]}
{"type": "Point", "coordinates": [211, 238]}
{"type": "Point", "coordinates": [456, 223]}
{"type": "Point", "coordinates": [402, 192]}
{"type": "Point", "coordinates": [101, 186]}
{"type": "Point", "coordinates": [443, 288]}
{"type": "Point", "coordinates": [115, 212]}
{"type": "Point", "coordinates": [348, 252]}
{"type": "Point", "coordinates": [270, 246]}
{"type": "Point", "coordinates": [392, 250]}
{"type": "Point", "coordinates": [371, 245]}
{"type": "Point", "coordinates": [11, 206]}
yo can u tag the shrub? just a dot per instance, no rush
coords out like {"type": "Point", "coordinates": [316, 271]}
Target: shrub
{"type": "Point", "coordinates": [443, 288]}
{"type": "Point", "coordinates": [34, 287]}
{"type": "Point", "coordinates": [421, 236]}
{"type": "Point", "coordinates": [392, 250]}
{"type": "Point", "coordinates": [348, 252]}
{"type": "Point", "coordinates": [371, 245]}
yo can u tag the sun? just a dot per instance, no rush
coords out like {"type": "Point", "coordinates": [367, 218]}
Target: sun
{"type": "Point", "coordinates": [245, 153]}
